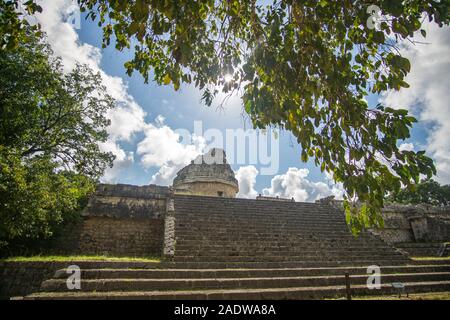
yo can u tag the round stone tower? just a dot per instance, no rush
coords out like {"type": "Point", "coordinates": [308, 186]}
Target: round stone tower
{"type": "Point", "coordinates": [207, 175]}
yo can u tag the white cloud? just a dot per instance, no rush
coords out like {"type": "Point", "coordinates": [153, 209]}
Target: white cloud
{"type": "Point", "coordinates": [123, 160]}
{"type": "Point", "coordinates": [406, 147]}
{"type": "Point", "coordinates": [161, 146]}
{"type": "Point", "coordinates": [160, 120]}
{"type": "Point", "coordinates": [127, 118]}
{"type": "Point", "coordinates": [246, 177]}
{"type": "Point", "coordinates": [429, 95]}
{"type": "Point", "coordinates": [165, 148]}
{"type": "Point", "coordinates": [294, 184]}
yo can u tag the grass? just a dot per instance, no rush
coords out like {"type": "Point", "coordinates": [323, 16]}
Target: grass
{"type": "Point", "coordinates": [40, 258]}
{"type": "Point", "coordinates": [430, 258]}
{"type": "Point", "coordinates": [413, 296]}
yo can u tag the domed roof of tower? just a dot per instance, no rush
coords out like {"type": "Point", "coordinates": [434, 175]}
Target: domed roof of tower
{"type": "Point", "coordinates": [209, 167]}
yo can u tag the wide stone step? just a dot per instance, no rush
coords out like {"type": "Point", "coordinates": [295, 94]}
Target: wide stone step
{"type": "Point", "coordinates": [438, 261]}
{"type": "Point", "coordinates": [55, 285]}
{"type": "Point", "coordinates": [267, 219]}
{"type": "Point", "coordinates": [244, 252]}
{"type": "Point", "coordinates": [345, 234]}
{"type": "Point", "coordinates": [258, 211]}
{"type": "Point", "coordinates": [285, 252]}
{"type": "Point", "coordinates": [245, 203]}
{"type": "Point", "coordinates": [278, 258]}
{"type": "Point", "coordinates": [420, 249]}
{"type": "Point", "coordinates": [270, 220]}
{"type": "Point", "coordinates": [337, 257]}
{"type": "Point", "coordinates": [242, 208]}
{"type": "Point", "coordinates": [241, 273]}
{"type": "Point", "coordinates": [286, 264]}
{"type": "Point", "coordinates": [206, 246]}
{"type": "Point", "coordinates": [282, 215]}
{"type": "Point", "coordinates": [273, 235]}
{"type": "Point", "coordinates": [419, 244]}
{"type": "Point", "coordinates": [292, 253]}
{"type": "Point", "coordinates": [264, 241]}
{"type": "Point", "coordinates": [225, 240]}
{"type": "Point", "coordinates": [334, 225]}
{"type": "Point", "coordinates": [269, 231]}
{"type": "Point", "coordinates": [247, 294]}
{"type": "Point", "coordinates": [302, 249]}
{"type": "Point", "coordinates": [302, 244]}
{"type": "Point", "coordinates": [200, 247]}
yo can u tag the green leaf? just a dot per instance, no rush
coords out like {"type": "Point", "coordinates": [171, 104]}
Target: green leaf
{"type": "Point", "coordinates": [166, 79]}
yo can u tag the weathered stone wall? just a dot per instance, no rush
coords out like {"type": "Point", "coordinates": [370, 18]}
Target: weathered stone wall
{"type": "Point", "coordinates": [119, 220]}
{"type": "Point", "coordinates": [18, 279]}
{"type": "Point", "coordinates": [113, 237]}
{"type": "Point", "coordinates": [22, 278]}
{"type": "Point", "coordinates": [396, 228]}
{"type": "Point", "coordinates": [439, 229]}
{"type": "Point", "coordinates": [127, 201]}
{"type": "Point", "coordinates": [415, 224]}
{"type": "Point", "coordinates": [409, 223]}
{"type": "Point", "coordinates": [213, 189]}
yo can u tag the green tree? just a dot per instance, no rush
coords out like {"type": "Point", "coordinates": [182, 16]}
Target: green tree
{"type": "Point", "coordinates": [50, 125]}
{"type": "Point", "coordinates": [427, 191]}
{"type": "Point", "coordinates": [305, 66]}
{"type": "Point", "coordinates": [13, 28]}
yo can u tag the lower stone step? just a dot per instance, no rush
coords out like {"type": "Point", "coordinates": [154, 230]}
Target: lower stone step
{"type": "Point", "coordinates": [241, 273]}
{"type": "Point", "coordinates": [303, 293]}
{"type": "Point", "coordinates": [92, 285]}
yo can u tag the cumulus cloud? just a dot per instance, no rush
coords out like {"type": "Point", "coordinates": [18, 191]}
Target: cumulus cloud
{"type": "Point", "coordinates": [295, 184]}
{"type": "Point", "coordinates": [167, 149]}
{"type": "Point", "coordinates": [161, 146]}
{"type": "Point", "coordinates": [127, 118]}
{"type": "Point", "coordinates": [292, 184]}
{"type": "Point", "coordinates": [246, 177]}
{"type": "Point", "coordinates": [429, 95]}
{"type": "Point", "coordinates": [406, 147]}
{"type": "Point", "coordinates": [123, 160]}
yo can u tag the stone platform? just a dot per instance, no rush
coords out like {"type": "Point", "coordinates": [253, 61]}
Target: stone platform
{"type": "Point", "coordinates": [225, 248]}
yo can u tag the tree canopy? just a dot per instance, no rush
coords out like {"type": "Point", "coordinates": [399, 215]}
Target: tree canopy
{"type": "Point", "coordinates": [305, 66]}
{"type": "Point", "coordinates": [426, 192]}
{"type": "Point", "coordinates": [51, 124]}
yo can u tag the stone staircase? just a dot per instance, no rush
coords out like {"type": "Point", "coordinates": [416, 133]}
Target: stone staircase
{"type": "Point", "coordinates": [241, 232]}
{"type": "Point", "coordinates": [255, 249]}
{"type": "Point", "coordinates": [133, 282]}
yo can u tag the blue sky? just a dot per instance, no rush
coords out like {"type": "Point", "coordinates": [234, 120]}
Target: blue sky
{"type": "Point", "coordinates": [180, 109]}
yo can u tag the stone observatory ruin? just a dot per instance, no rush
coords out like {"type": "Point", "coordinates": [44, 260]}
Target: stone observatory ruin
{"type": "Point", "coordinates": [207, 175]}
